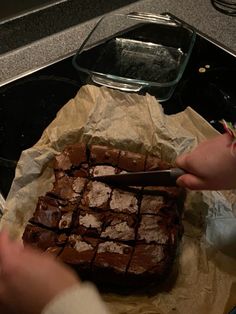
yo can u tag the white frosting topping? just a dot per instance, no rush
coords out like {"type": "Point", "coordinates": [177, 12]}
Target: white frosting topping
{"type": "Point", "coordinates": [119, 231]}
{"type": "Point", "coordinates": [112, 247]}
{"type": "Point", "coordinates": [124, 201]}
{"type": "Point", "coordinates": [80, 245]}
{"type": "Point", "coordinates": [78, 184]}
{"type": "Point", "coordinates": [83, 246]}
{"type": "Point", "coordinates": [150, 230]}
{"type": "Point", "coordinates": [103, 171]}
{"type": "Point", "coordinates": [90, 221]}
{"type": "Point", "coordinates": [151, 203]}
{"type": "Point", "coordinates": [98, 194]}
{"type": "Point", "coordinates": [65, 220]}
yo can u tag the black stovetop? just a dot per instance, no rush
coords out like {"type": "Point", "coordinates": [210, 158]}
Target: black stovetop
{"type": "Point", "coordinates": [29, 104]}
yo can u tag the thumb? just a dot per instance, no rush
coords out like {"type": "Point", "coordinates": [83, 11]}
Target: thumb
{"type": "Point", "coordinates": [8, 251]}
{"type": "Point", "coordinates": [182, 161]}
{"type": "Point", "coordinates": [191, 182]}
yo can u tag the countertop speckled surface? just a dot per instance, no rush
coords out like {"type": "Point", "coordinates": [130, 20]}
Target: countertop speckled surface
{"type": "Point", "coordinates": [43, 37]}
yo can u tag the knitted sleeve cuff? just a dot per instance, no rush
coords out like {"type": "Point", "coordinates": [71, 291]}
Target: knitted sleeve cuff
{"type": "Point", "coordinates": [80, 299]}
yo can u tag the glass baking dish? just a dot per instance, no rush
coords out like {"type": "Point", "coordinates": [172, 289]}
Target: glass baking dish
{"type": "Point", "coordinates": [136, 52]}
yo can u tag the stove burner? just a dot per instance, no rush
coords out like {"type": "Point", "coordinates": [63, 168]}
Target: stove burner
{"type": "Point", "coordinates": [26, 108]}
{"type": "Point", "coordinates": [212, 94]}
{"type": "Point", "coordinates": [208, 85]}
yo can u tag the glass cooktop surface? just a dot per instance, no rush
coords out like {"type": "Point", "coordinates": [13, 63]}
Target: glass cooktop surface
{"type": "Point", "coordinates": [29, 104]}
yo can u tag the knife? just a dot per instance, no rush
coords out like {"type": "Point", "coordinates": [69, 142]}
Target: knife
{"type": "Point", "coordinates": [144, 178]}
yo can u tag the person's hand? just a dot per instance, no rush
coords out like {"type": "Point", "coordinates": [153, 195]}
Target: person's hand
{"type": "Point", "coordinates": [29, 280]}
{"type": "Point", "coordinates": [211, 165]}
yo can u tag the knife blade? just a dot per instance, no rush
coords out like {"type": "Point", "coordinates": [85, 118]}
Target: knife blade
{"type": "Point", "coordinates": [144, 178]}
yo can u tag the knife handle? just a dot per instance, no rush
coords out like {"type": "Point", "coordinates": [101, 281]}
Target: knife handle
{"type": "Point", "coordinates": [176, 173]}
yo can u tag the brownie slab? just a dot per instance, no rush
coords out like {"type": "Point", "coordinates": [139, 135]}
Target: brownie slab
{"type": "Point", "coordinates": [120, 236]}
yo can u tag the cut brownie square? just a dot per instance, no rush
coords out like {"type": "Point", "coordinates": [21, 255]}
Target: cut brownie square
{"type": "Point", "coordinates": [53, 213]}
{"type": "Point", "coordinates": [104, 155]}
{"type": "Point", "coordinates": [89, 223]}
{"type": "Point", "coordinates": [96, 195]}
{"type": "Point", "coordinates": [111, 262]}
{"type": "Point", "coordinates": [153, 229]}
{"type": "Point", "coordinates": [124, 202]}
{"type": "Point", "coordinates": [149, 259]}
{"type": "Point", "coordinates": [153, 204]}
{"type": "Point", "coordinates": [119, 227]}
{"type": "Point", "coordinates": [47, 212]}
{"type": "Point", "coordinates": [131, 161]}
{"type": "Point", "coordinates": [102, 170]}
{"type": "Point", "coordinates": [68, 188]}
{"type": "Point", "coordinates": [82, 171]}
{"type": "Point", "coordinates": [42, 238]}
{"type": "Point", "coordinates": [155, 163]}
{"type": "Point", "coordinates": [73, 155]}
{"type": "Point", "coordinates": [79, 252]}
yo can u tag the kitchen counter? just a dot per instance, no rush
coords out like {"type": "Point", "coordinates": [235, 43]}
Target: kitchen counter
{"type": "Point", "coordinates": [35, 40]}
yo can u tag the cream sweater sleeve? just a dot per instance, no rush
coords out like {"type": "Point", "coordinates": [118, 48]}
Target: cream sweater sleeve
{"type": "Point", "coordinates": [81, 299]}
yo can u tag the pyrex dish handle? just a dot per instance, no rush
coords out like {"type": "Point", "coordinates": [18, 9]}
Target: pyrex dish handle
{"type": "Point", "coordinates": [115, 84]}
{"type": "Point", "coordinates": [155, 18]}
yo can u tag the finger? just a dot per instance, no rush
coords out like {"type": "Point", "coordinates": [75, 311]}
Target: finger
{"type": "Point", "coordinates": [4, 243]}
{"type": "Point", "coordinates": [191, 182]}
{"type": "Point", "coordinates": [181, 161]}
{"type": "Point", "coordinates": [9, 251]}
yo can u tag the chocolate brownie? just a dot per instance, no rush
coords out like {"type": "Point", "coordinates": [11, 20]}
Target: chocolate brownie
{"type": "Point", "coordinates": [89, 223]}
{"type": "Point", "coordinates": [68, 188]}
{"type": "Point", "coordinates": [42, 238]}
{"type": "Point", "coordinates": [124, 202]}
{"type": "Point", "coordinates": [79, 251]}
{"type": "Point", "coordinates": [96, 196]}
{"type": "Point", "coordinates": [116, 235]}
{"type": "Point", "coordinates": [120, 227]}
{"type": "Point", "coordinates": [111, 262]}
{"type": "Point", "coordinates": [149, 263]}
{"type": "Point", "coordinates": [73, 155]}
{"type": "Point", "coordinates": [104, 155]}
{"type": "Point", "coordinates": [131, 161]}
{"type": "Point", "coordinates": [53, 213]}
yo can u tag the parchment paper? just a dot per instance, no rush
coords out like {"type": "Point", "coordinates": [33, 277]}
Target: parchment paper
{"type": "Point", "coordinates": [206, 280]}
